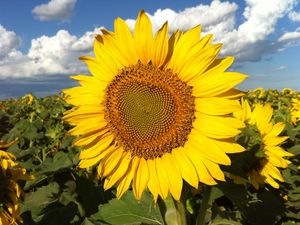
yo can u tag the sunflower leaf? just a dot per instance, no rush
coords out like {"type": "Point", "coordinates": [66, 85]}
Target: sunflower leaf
{"type": "Point", "coordinates": [128, 211]}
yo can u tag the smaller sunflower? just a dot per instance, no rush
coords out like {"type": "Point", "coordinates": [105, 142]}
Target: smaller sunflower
{"type": "Point", "coordinates": [10, 191]}
{"type": "Point", "coordinates": [295, 110]}
{"type": "Point", "coordinates": [263, 136]}
{"type": "Point", "coordinates": [28, 99]}
{"type": "Point", "coordinates": [287, 91]}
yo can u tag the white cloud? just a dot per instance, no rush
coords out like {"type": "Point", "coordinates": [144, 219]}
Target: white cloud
{"type": "Point", "coordinates": [49, 56]}
{"type": "Point", "coordinates": [55, 10]}
{"type": "Point", "coordinates": [280, 68]}
{"type": "Point", "coordinates": [294, 16]}
{"type": "Point", "coordinates": [290, 36]}
{"type": "Point", "coordinates": [9, 41]}
{"type": "Point", "coordinates": [218, 16]}
{"type": "Point", "coordinates": [248, 41]}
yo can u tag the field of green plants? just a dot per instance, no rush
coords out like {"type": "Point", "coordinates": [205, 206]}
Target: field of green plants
{"type": "Point", "coordinates": [61, 193]}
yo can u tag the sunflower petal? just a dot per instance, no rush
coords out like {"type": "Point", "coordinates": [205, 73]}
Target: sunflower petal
{"type": "Point", "coordinates": [140, 179]}
{"type": "Point", "coordinates": [162, 178]}
{"type": "Point", "coordinates": [216, 106]}
{"type": "Point", "coordinates": [188, 171]}
{"type": "Point", "coordinates": [174, 175]}
{"type": "Point", "coordinates": [143, 37]}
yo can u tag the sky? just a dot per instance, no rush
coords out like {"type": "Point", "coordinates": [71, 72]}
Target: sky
{"type": "Point", "coordinates": [40, 41]}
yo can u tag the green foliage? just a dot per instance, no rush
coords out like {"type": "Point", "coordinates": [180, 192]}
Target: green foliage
{"type": "Point", "coordinates": [128, 211]}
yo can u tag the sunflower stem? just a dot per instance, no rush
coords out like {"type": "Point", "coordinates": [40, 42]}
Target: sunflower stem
{"type": "Point", "coordinates": [180, 206]}
{"type": "Point", "coordinates": [204, 206]}
{"type": "Point", "coordinates": [173, 211]}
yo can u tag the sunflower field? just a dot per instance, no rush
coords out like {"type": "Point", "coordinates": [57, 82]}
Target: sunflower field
{"type": "Point", "coordinates": [58, 192]}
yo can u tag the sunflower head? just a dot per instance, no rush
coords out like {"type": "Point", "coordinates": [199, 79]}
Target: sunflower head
{"type": "Point", "coordinates": [295, 110]}
{"type": "Point", "coordinates": [287, 91]}
{"type": "Point", "coordinates": [28, 99]}
{"type": "Point", "coordinates": [156, 110]}
{"type": "Point", "coordinates": [261, 139]}
{"type": "Point", "coordinates": [10, 191]}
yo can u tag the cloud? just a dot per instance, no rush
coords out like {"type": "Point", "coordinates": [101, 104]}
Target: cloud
{"type": "Point", "coordinates": [294, 16]}
{"type": "Point", "coordinates": [248, 41]}
{"type": "Point", "coordinates": [290, 36]}
{"type": "Point", "coordinates": [55, 10]}
{"type": "Point", "coordinates": [53, 55]}
{"type": "Point", "coordinates": [9, 41]}
{"type": "Point", "coordinates": [217, 16]}
{"type": "Point", "coordinates": [280, 68]}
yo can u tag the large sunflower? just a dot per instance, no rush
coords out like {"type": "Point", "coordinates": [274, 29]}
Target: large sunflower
{"type": "Point", "coordinates": [10, 191]}
{"type": "Point", "coordinates": [156, 110]}
{"type": "Point", "coordinates": [269, 156]}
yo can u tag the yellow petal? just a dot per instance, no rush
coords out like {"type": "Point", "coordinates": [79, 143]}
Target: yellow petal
{"type": "Point", "coordinates": [212, 85]}
{"type": "Point", "coordinates": [207, 148]}
{"type": "Point", "coordinates": [140, 179]}
{"type": "Point", "coordinates": [276, 129]}
{"type": "Point", "coordinates": [219, 65]}
{"type": "Point", "coordinates": [216, 106]}
{"type": "Point", "coordinates": [194, 67]}
{"type": "Point", "coordinates": [271, 181]}
{"type": "Point", "coordinates": [214, 169]}
{"type": "Point", "coordinates": [273, 171]}
{"type": "Point", "coordinates": [174, 176]}
{"type": "Point", "coordinates": [111, 162]}
{"type": "Point", "coordinates": [85, 163]}
{"type": "Point", "coordinates": [90, 82]}
{"type": "Point", "coordinates": [276, 160]}
{"type": "Point", "coordinates": [231, 94]}
{"type": "Point", "coordinates": [84, 110]}
{"type": "Point", "coordinates": [99, 69]}
{"type": "Point", "coordinates": [83, 128]}
{"type": "Point", "coordinates": [101, 145]}
{"type": "Point", "coordinates": [119, 172]}
{"type": "Point", "coordinates": [89, 137]}
{"type": "Point", "coordinates": [162, 176]}
{"type": "Point", "coordinates": [143, 37]}
{"type": "Point", "coordinates": [261, 116]}
{"type": "Point", "coordinates": [83, 96]}
{"type": "Point", "coordinates": [153, 180]}
{"type": "Point", "coordinates": [274, 140]}
{"type": "Point", "coordinates": [229, 146]}
{"type": "Point", "coordinates": [278, 151]}
{"type": "Point", "coordinates": [188, 171]}
{"type": "Point", "coordinates": [160, 46]}
{"type": "Point", "coordinates": [125, 41]}
{"type": "Point", "coordinates": [203, 175]}
{"type": "Point", "coordinates": [216, 126]}
{"type": "Point", "coordinates": [112, 48]}
{"type": "Point", "coordinates": [125, 182]}
{"type": "Point", "coordinates": [182, 48]}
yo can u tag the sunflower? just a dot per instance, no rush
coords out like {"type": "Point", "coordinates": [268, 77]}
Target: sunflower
{"type": "Point", "coordinates": [264, 133]}
{"type": "Point", "coordinates": [10, 191]}
{"type": "Point", "coordinates": [295, 110]}
{"type": "Point", "coordinates": [156, 110]}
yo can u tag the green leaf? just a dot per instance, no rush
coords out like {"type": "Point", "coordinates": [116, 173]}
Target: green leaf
{"type": "Point", "coordinates": [37, 201]}
{"type": "Point", "coordinates": [295, 149]}
{"type": "Point", "coordinates": [128, 211]}
{"type": "Point", "coordinates": [264, 209]}
{"type": "Point", "coordinates": [60, 161]}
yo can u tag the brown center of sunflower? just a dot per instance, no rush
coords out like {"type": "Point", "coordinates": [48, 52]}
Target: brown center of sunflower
{"type": "Point", "coordinates": [149, 110]}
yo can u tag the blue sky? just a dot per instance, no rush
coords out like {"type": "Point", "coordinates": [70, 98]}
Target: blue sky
{"type": "Point", "coordinates": [40, 41]}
